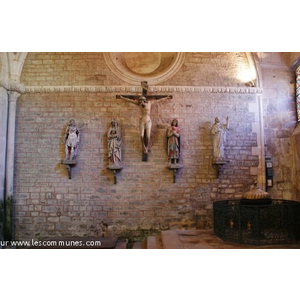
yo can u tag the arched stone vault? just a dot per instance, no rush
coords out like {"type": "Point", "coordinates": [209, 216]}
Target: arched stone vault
{"type": "Point", "coordinates": [11, 66]}
{"type": "Point", "coordinates": [254, 66]}
{"type": "Point", "coordinates": [3, 68]}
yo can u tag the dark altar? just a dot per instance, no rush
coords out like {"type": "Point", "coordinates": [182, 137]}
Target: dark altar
{"type": "Point", "coordinates": [258, 222]}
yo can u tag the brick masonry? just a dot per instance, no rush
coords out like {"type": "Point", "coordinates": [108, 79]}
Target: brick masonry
{"type": "Point", "coordinates": [145, 199]}
{"type": "Point", "coordinates": [280, 123]}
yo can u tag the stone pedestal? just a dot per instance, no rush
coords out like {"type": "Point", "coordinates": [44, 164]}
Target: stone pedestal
{"type": "Point", "coordinates": [116, 169]}
{"type": "Point", "coordinates": [219, 163]}
{"type": "Point", "coordinates": [69, 165]}
{"type": "Point", "coordinates": [175, 168]}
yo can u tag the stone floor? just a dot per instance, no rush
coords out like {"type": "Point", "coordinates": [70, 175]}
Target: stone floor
{"type": "Point", "coordinates": [199, 239]}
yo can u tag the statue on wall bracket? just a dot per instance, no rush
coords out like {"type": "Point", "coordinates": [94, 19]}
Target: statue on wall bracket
{"type": "Point", "coordinates": [114, 144]}
{"type": "Point", "coordinates": [144, 101]}
{"type": "Point", "coordinates": [72, 143]}
{"type": "Point", "coordinates": [218, 131]}
{"type": "Point", "coordinates": [173, 147]}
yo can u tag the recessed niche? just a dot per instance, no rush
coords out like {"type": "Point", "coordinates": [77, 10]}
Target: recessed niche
{"type": "Point", "coordinates": [155, 67]}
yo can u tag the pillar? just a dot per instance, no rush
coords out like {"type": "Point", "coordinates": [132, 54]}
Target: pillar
{"type": "Point", "coordinates": [10, 151]}
{"type": "Point", "coordinates": [3, 134]}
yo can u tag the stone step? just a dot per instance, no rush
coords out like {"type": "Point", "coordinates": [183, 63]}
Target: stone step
{"type": "Point", "coordinates": [154, 242]}
{"type": "Point", "coordinates": [121, 245]}
{"type": "Point", "coordinates": [197, 239]}
{"type": "Point", "coordinates": [170, 240]}
{"type": "Point", "coordinates": [139, 245]}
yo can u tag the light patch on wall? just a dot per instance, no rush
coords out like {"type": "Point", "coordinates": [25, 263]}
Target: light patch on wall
{"type": "Point", "coordinates": [247, 76]}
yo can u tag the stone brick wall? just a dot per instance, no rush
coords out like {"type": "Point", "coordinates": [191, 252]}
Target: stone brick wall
{"type": "Point", "coordinates": [212, 69]}
{"type": "Point", "coordinates": [280, 122]}
{"type": "Point", "coordinates": [296, 170]}
{"type": "Point", "coordinates": [145, 199]}
{"type": "Point", "coordinates": [200, 69]}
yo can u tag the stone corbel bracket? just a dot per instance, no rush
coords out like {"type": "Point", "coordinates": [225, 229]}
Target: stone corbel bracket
{"type": "Point", "coordinates": [69, 165]}
{"type": "Point", "coordinates": [175, 168]}
{"type": "Point", "coordinates": [219, 165]}
{"type": "Point", "coordinates": [116, 169]}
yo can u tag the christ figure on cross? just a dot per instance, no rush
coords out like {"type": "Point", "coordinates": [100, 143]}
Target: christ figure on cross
{"type": "Point", "coordinates": [145, 121]}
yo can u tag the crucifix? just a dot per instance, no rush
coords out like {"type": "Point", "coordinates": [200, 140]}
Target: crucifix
{"type": "Point", "coordinates": [143, 101]}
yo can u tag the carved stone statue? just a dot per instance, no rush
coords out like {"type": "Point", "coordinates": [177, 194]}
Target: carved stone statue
{"type": "Point", "coordinates": [173, 144]}
{"type": "Point", "coordinates": [144, 101]}
{"type": "Point", "coordinates": [145, 120]}
{"type": "Point", "coordinates": [72, 140]}
{"type": "Point", "coordinates": [219, 139]}
{"type": "Point", "coordinates": [114, 143]}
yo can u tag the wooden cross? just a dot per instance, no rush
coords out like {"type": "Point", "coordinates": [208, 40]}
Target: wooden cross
{"type": "Point", "coordinates": [145, 88]}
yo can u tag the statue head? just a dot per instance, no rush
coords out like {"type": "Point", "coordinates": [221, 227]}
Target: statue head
{"type": "Point", "coordinates": [174, 122]}
{"type": "Point", "coordinates": [142, 100]}
{"type": "Point", "coordinates": [114, 123]}
{"type": "Point", "coordinates": [72, 122]}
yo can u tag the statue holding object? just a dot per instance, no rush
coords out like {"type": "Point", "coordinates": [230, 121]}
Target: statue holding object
{"type": "Point", "coordinates": [173, 142]}
{"type": "Point", "coordinates": [114, 143]}
{"type": "Point", "coordinates": [72, 140]}
{"type": "Point", "coordinates": [72, 143]}
{"type": "Point", "coordinates": [219, 139]}
{"type": "Point", "coordinates": [173, 147]}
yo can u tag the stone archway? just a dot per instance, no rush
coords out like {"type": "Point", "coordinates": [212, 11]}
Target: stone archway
{"type": "Point", "coordinates": [4, 69]}
{"type": "Point", "coordinates": [11, 66]}
{"type": "Point", "coordinates": [254, 66]}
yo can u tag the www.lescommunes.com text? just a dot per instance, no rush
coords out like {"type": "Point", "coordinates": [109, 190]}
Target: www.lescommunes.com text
{"type": "Point", "coordinates": [36, 243]}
